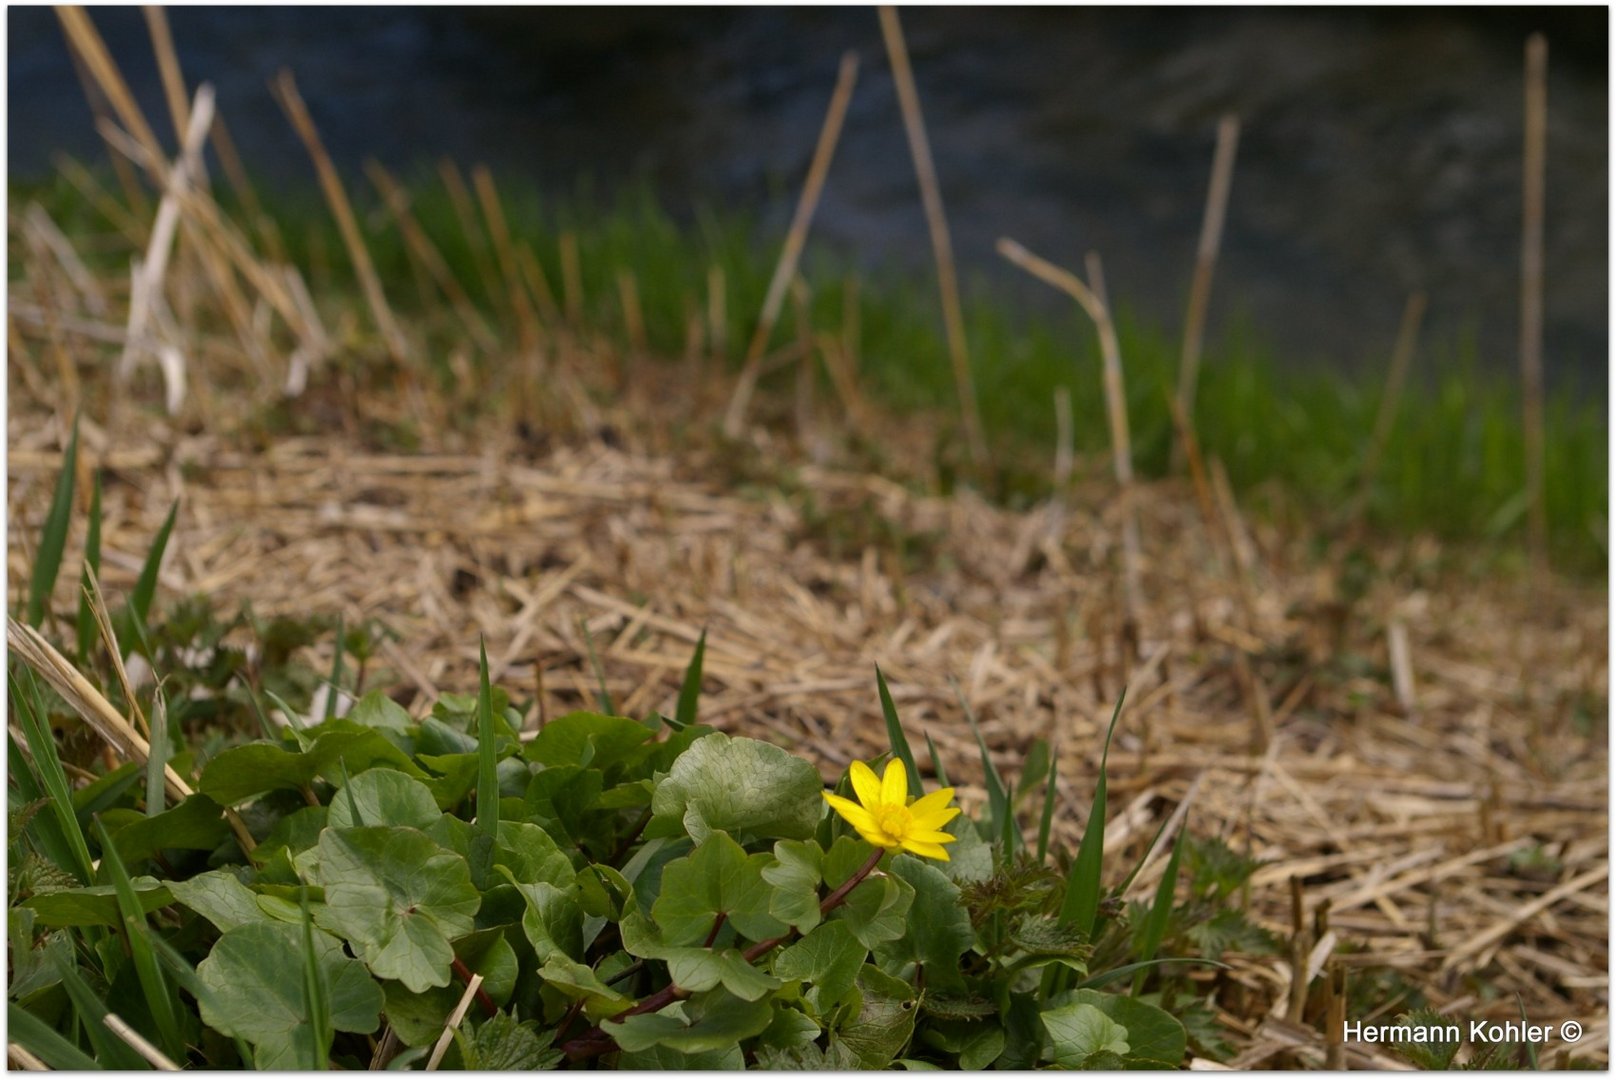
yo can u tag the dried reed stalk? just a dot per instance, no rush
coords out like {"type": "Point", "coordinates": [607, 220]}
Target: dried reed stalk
{"type": "Point", "coordinates": [24, 1059]}
{"type": "Point", "coordinates": [168, 67]}
{"type": "Point", "coordinates": [285, 90]}
{"type": "Point", "coordinates": [931, 196]}
{"type": "Point", "coordinates": [528, 331]}
{"type": "Point", "coordinates": [476, 242]}
{"type": "Point", "coordinates": [442, 1045]}
{"type": "Point", "coordinates": [572, 278]}
{"type": "Point", "coordinates": [128, 226]}
{"type": "Point", "coordinates": [796, 236]}
{"type": "Point", "coordinates": [88, 47]}
{"type": "Point", "coordinates": [717, 313]}
{"type": "Point", "coordinates": [139, 1044]}
{"type": "Point", "coordinates": [1206, 259]}
{"type": "Point", "coordinates": [1092, 301]}
{"type": "Point", "coordinates": [1536, 151]}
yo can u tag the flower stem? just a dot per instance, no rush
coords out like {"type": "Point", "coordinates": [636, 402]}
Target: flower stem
{"type": "Point", "coordinates": [595, 1041]}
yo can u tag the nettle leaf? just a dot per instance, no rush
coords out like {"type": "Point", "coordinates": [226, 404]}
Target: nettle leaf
{"type": "Point", "coordinates": [1156, 1040]}
{"type": "Point", "coordinates": [95, 905]}
{"type": "Point", "coordinates": [383, 797]}
{"type": "Point", "coordinates": [808, 1058]}
{"type": "Point", "coordinates": [742, 786]}
{"type": "Point", "coordinates": [501, 1044]}
{"type": "Point", "coordinates": [588, 740]}
{"type": "Point", "coordinates": [795, 877]}
{"type": "Point", "coordinates": [256, 996]}
{"type": "Point", "coordinates": [219, 897]}
{"type": "Point", "coordinates": [829, 960]}
{"type": "Point", "coordinates": [939, 927]}
{"type": "Point", "coordinates": [718, 878]}
{"type": "Point", "coordinates": [718, 1020]}
{"type": "Point", "coordinates": [398, 898]}
{"type": "Point", "coordinates": [1080, 1031]}
{"type": "Point", "coordinates": [885, 1020]}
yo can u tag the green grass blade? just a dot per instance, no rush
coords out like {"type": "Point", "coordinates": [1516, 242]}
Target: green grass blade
{"type": "Point", "coordinates": [1000, 815]}
{"type": "Point", "coordinates": [43, 830]}
{"type": "Point", "coordinates": [53, 539]}
{"type": "Point", "coordinates": [937, 762]}
{"type": "Point", "coordinates": [265, 728]}
{"type": "Point", "coordinates": [347, 791]}
{"type": "Point", "coordinates": [158, 758]}
{"type": "Point", "coordinates": [44, 1042]}
{"type": "Point", "coordinates": [603, 696]}
{"type": "Point", "coordinates": [87, 634]}
{"type": "Point", "coordinates": [316, 996]}
{"type": "Point", "coordinates": [1160, 909]}
{"type": "Point", "coordinates": [52, 778]}
{"type": "Point", "coordinates": [1048, 816]}
{"type": "Point", "coordinates": [487, 823]}
{"type": "Point", "coordinates": [111, 1052]}
{"type": "Point", "coordinates": [334, 689]}
{"type": "Point", "coordinates": [1094, 982]}
{"type": "Point", "coordinates": [140, 599]}
{"type": "Point", "coordinates": [895, 735]}
{"type": "Point", "coordinates": [160, 999]}
{"type": "Point", "coordinates": [690, 690]}
{"type": "Point", "coordinates": [1082, 900]}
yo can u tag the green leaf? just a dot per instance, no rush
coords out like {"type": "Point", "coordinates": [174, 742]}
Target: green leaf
{"type": "Point", "coordinates": [828, 960]}
{"type": "Point", "coordinates": [418, 1019]}
{"type": "Point", "coordinates": [578, 981]}
{"type": "Point", "coordinates": [501, 1044]}
{"type": "Point", "coordinates": [95, 905]}
{"type": "Point", "coordinates": [53, 538]}
{"type": "Point", "coordinates": [718, 1020]}
{"type": "Point", "coordinates": [1156, 1040]}
{"type": "Point", "coordinates": [252, 998]}
{"type": "Point", "coordinates": [789, 1029]}
{"type": "Point", "coordinates": [696, 969]}
{"type": "Point", "coordinates": [531, 854]}
{"type": "Point", "coordinates": [68, 834]}
{"type": "Point", "coordinates": [1080, 1032]}
{"type": "Point", "coordinates": [42, 1040]}
{"type": "Point", "coordinates": [690, 690]}
{"type": "Point", "coordinates": [937, 763]}
{"type": "Point", "coordinates": [982, 1048]}
{"type": "Point", "coordinates": [795, 877]}
{"type": "Point", "coordinates": [140, 598]}
{"type": "Point", "coordinates": [157, 754]}
{"type": "Point", "coordinates": [1160, 908]}
{"type": "Point", "coordinates": [885, 1020]}
{"type": "Point", "coordinates": [316, 987]}
{"type": "Point", "coordinates": [1083, 885]}
{"type": "Point", "coordinates": [938, 928]}
{"type": "Point", "coordinates": [667, 1059]}
{"type": "Point", "coordinates": [741, 786]}
{"type": "Point", "coordinates": [398, 898]}
{"type": "Point", "coordinates": [895, 735]}
{"type": "Point", "coordinates": [377, 710]}
{"type": "Point", "coordinates": [383, 797]}
{"type": "Point", "coordinates": [553, 920]}
{"type": "Point", "coordinates": [241, 772]}
{"type": "Point", "coordinates": [878, 907]}
{"type": "Point", "coordinates": [197, 824]}
{"type": "Point", "coordinates": [718, 878]}
{"type": "Point", "coordinates": [111, 1052]}
{"type": "Point", "coordinates": [587, 739]}
{"type": "Point", "coordinates": [87, 628]}
{"type": "Point", "coordinates": [1001, 819]}
{"type": "Point", "coordinates": [219, 897]}
{"type": "Point", "coordinates": [1046, 819]}
{"type": "Point", "coordinates": [487, 821]}
{"type": "Point", "coordinates": [159, 998]}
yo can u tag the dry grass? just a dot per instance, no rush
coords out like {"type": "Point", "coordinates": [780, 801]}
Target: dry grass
{"type": "Point", "coordinates": [1284, 730]}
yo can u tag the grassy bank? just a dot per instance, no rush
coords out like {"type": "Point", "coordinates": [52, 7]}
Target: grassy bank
{"type": "Point", "coordinates": [1452, 465]}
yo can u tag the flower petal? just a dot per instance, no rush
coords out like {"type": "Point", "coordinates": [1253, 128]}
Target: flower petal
{"type": "Point", "coordinates": [926, 836]}
{"type": "Point", "coordinates": [934, 819]}
{"type": "Point", "coordinates": [930, 851]}
{"type": "Point", "coordinates": [895, 784]}
{"type": "Point", "coordinates": [934, 801]}
{"type": "Point", "coordinates": [856, 815]}
{"type": "Point", "coordinates": [865, 783]}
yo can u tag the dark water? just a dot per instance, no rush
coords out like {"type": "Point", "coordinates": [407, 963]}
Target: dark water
{"type": "Point", "coordinates": [1380, 150]}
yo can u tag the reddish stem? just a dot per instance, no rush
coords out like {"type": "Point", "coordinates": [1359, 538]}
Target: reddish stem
{"type": "Point", "coordinates": [483, 999]}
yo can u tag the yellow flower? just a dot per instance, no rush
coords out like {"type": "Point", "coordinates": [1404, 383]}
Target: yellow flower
{"type": "Point", "coordinates": [888, 819]}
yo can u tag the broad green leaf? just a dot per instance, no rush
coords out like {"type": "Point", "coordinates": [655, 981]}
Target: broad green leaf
{"type": "Point", "coordinates": [553, 920]}
{"type": "Point", "coordinates": [197, 824]}
{"type": "Point", "coordinates": [1155, 1039]}
{"type": "Point", "coordinates": [666, 1059]}
{"type": "Point", "coordinates": [588, 740]}
{"type": "Point", "coordinates": [697, 969]}
{"type": "Point", "coordinates": [938, 930]}
{"type": "Point", "coordinates": [398, 898]}
{"type": "Point", "coordinates": [982, 1047]}
{"type": "Point", "coordinates": [828, 960]}
{"type": "Point", "coordinates": [95, 905]}
{"type": "Point", "coordinates": [718, 878]}
{"type": "Point", "coordinates": [795, 877]}
{"type": "Point", "coordinates": [580, 982]}
{"type": "Point", "coordinates": [239, 773]}
{"type": "Point", "coordinates": [561, 797]}
{"type": "Point", "coordinates": [1079, 1032]}
{"type": "Point", "coordinates": [877, 909]}
{"type": "Point", "coordinates": [53, 538]}
{"type": "Point", "coordinates": [789, 1029]}
{"type": "Point", "coordinates": [741, 786]}
{"type": "Point", "coordinates": [219, 897]}
{"type": "Point", "coordinates": [377, 710]}
{"type": "Point", "coordinates": [531, 854]}
{"type": "Point", "coordinates": [418, 1018]}
{"type": "Point", "coordinates": [885, 1020]}
{"type": "Point", "coordinates": [383, 797]}
{"type": "Point", "coordinates": [253, 997]}
{"type": "Point", "coordinates": [718, 1020]}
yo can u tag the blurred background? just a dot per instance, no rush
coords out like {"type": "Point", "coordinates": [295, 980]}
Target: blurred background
{"type": "Point", "coordinates": [1380, 151]}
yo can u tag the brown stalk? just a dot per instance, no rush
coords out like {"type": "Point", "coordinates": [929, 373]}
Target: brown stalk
{"type": "Point", "coordinates": [286, 92]}
{"type": "Point", "coordinates": [1206, 259]}
{"type": "Point", "coordinates": [1408, 333]}
{"type": "Point", "coordinates": [572, 278]}
{"type": "Point", "coordinates": [108, 82]}
{"type": "Point", "coordinates": [796, 236]}
{"type": "Point", "coordinates": [476, 242]}
{"type": "Point", "coordinates": [130, 228]}
{"type": "Point", "coordinates": [168, 67]}
{"type": "Point", "coordinates": [527, 322]}
{"type": "Point", "coordinates": [1536, 152]}
{"type": "Point", "coordinates": [931, 197]}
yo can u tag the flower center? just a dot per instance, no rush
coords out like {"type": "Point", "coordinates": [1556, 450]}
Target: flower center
{"type": "Point", "coordinates": [893, 820]}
